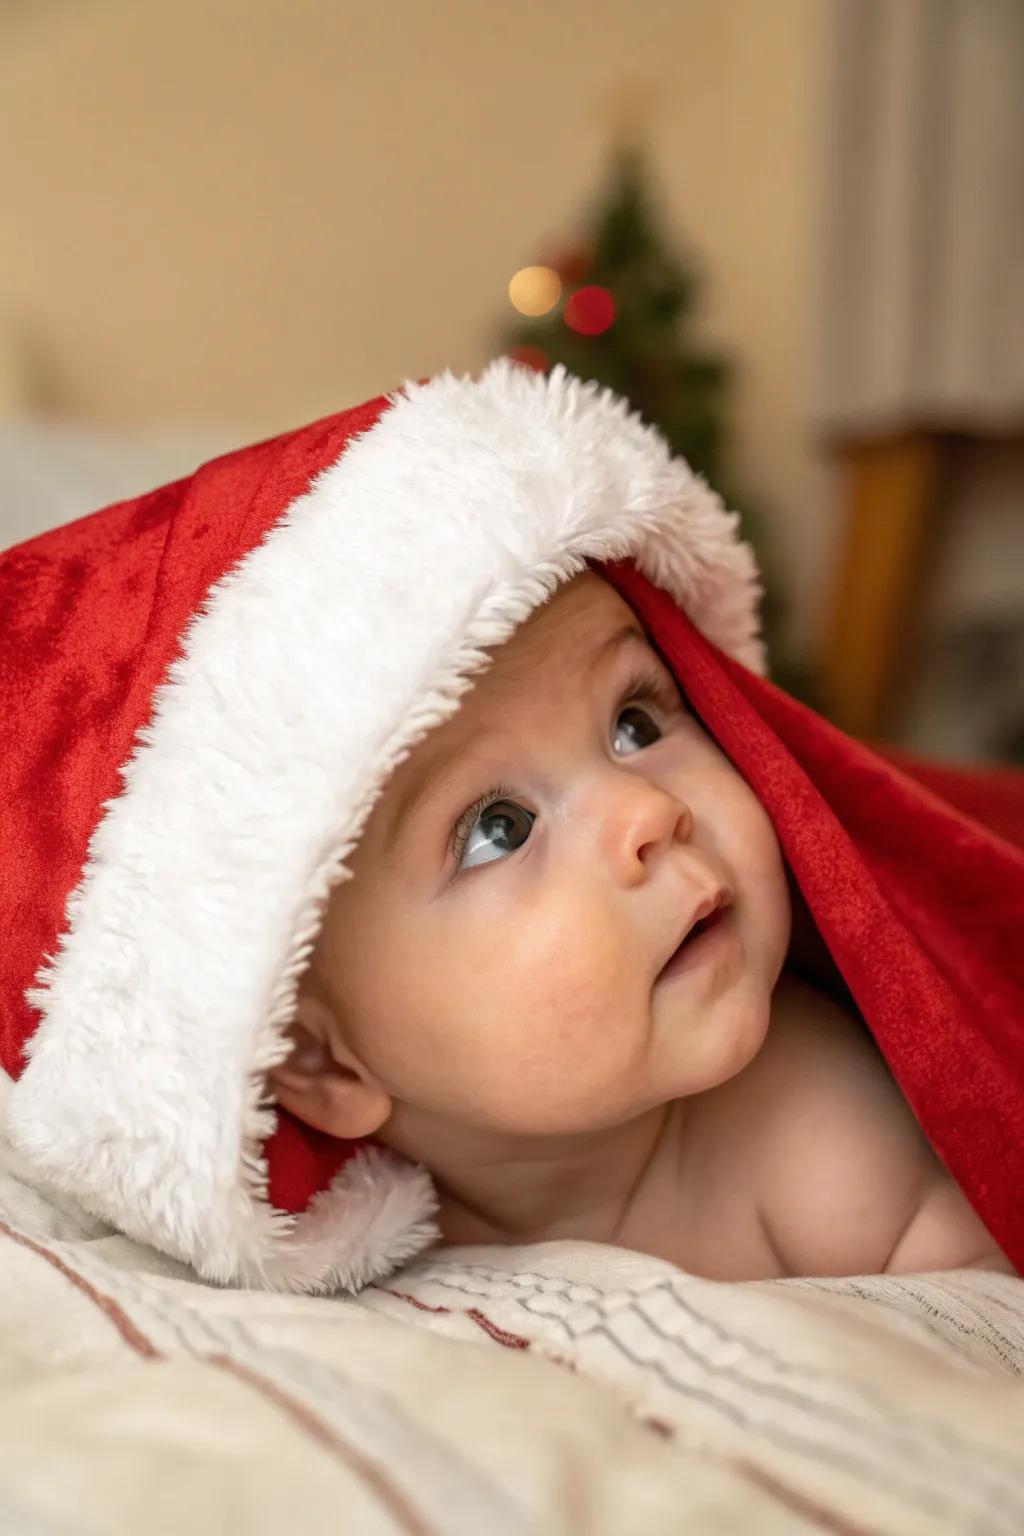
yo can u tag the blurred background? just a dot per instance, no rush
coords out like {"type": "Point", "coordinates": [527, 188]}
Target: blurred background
{"type": "Point", "coordinates": [791, 233]}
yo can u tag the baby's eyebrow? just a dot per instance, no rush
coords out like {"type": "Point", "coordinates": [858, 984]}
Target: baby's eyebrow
{"type": "Point", "coordinates": [611, 645]}
{"type": "Point", "coordinates": [435, 774]}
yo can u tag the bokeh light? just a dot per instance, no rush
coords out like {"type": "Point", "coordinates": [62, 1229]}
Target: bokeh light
{"type": "Point", "coordinates": [531, 357]}
{"type": "Point", "coordinates": [535, 290]}
{"type": "Point", "coordinates": [590, 311]}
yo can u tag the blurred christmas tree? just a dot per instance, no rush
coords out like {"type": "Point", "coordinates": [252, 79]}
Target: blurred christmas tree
{"type": "Point", "coordinates": [616, 306]}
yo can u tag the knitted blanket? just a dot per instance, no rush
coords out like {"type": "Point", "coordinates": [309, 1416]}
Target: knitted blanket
{"type": "Point", "coordinates": [561, 1388]}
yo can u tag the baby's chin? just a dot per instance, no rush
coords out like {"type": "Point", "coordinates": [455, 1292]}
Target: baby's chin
{"type": "Point", "coordinates": [705, 1042]}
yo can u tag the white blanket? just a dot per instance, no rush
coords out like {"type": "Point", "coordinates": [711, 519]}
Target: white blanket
{"type": "Point", "coordinates": [565, 1387]}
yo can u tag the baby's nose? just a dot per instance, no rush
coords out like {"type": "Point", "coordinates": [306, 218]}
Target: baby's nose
{"type": "Point", "coordinates": [641, 822]}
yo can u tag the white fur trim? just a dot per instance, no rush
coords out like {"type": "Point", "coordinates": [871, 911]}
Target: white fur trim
{"type": "Point", "coordinates": [382, 1204]}
{"type": "Point", "coordinates": [465, 506]}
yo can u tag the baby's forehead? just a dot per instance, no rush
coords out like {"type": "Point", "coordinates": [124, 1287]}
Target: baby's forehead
{"type": "Point", "coordinates": [560, 646]}
{"type": "Point", "coordinates": [575, 623]}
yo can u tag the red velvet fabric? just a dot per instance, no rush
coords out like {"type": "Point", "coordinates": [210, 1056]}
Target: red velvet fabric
{"type": "Point", "coordinates": [921, 907]}
{"type": "Point", "coordinates": [992, 796]}
{"type": "Point", "coordinates": [90, 619]}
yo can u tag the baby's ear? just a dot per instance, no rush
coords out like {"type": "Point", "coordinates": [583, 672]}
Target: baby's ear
{"type": "Point", "coordinates": [323, 1083]}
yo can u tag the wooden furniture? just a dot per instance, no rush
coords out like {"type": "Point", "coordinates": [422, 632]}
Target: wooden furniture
{"type": "Point", "coordinates": [891, 514]}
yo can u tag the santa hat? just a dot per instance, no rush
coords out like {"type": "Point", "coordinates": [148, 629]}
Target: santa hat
{"type": "Point", "coordinates": [203, 693]}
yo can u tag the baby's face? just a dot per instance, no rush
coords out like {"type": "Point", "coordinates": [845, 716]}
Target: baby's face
{"type": "Point", "coordinates": [527, 872]}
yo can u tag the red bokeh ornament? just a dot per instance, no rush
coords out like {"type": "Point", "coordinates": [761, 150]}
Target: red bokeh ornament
{"type": "Point", "coordinates": [531, 357]}
{"type": "Point", "coordinates": [590, 311]}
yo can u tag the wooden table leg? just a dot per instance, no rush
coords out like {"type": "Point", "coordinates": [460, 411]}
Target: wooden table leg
{"type": "Point", "coordinates": [890, 522]}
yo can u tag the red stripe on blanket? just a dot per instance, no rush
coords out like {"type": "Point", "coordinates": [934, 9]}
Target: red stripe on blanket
{"type": "Point", "coordinates": [108, 1306]}
{"type": "Point", "coordinates": [498, 1334]}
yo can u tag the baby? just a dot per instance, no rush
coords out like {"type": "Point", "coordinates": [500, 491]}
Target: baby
{"type": "Point", "coordinates": [503, 992]}
{"type": "Point", "coordinates": [351, 777]}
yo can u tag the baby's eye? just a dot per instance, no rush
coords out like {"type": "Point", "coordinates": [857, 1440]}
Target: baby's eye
{"type": "Point", "coordinates": [499, 828]}
{"type": "Point", "coordinates": [636, 718]}
{"type": "Point", "coordinates": [637, 721]}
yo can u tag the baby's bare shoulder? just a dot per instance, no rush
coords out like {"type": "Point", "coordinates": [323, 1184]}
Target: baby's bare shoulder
{"type": "Point", "coordinates": [841, 1158]}
{"type": "Point", "coordinates": [812, 1034]}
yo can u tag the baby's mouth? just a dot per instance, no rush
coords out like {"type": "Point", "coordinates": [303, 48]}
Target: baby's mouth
{"type": "Point", "coordinates": [690, 946]}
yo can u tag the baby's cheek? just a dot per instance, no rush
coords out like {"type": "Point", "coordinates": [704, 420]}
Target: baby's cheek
{"type": "Point", "coordinates": [534, 1050]}
{"type": "Point", "coordinates": [567, 967]}
{"type": "Point", "coordinates": [536, 1026]}
{"type": "Point", "coordinates": [577, 1018]}
{"type": "Point", "coordinates": [756, 856]}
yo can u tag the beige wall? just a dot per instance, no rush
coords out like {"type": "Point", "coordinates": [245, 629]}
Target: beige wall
{"type": "Point", "coordinates": [256, 211]}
